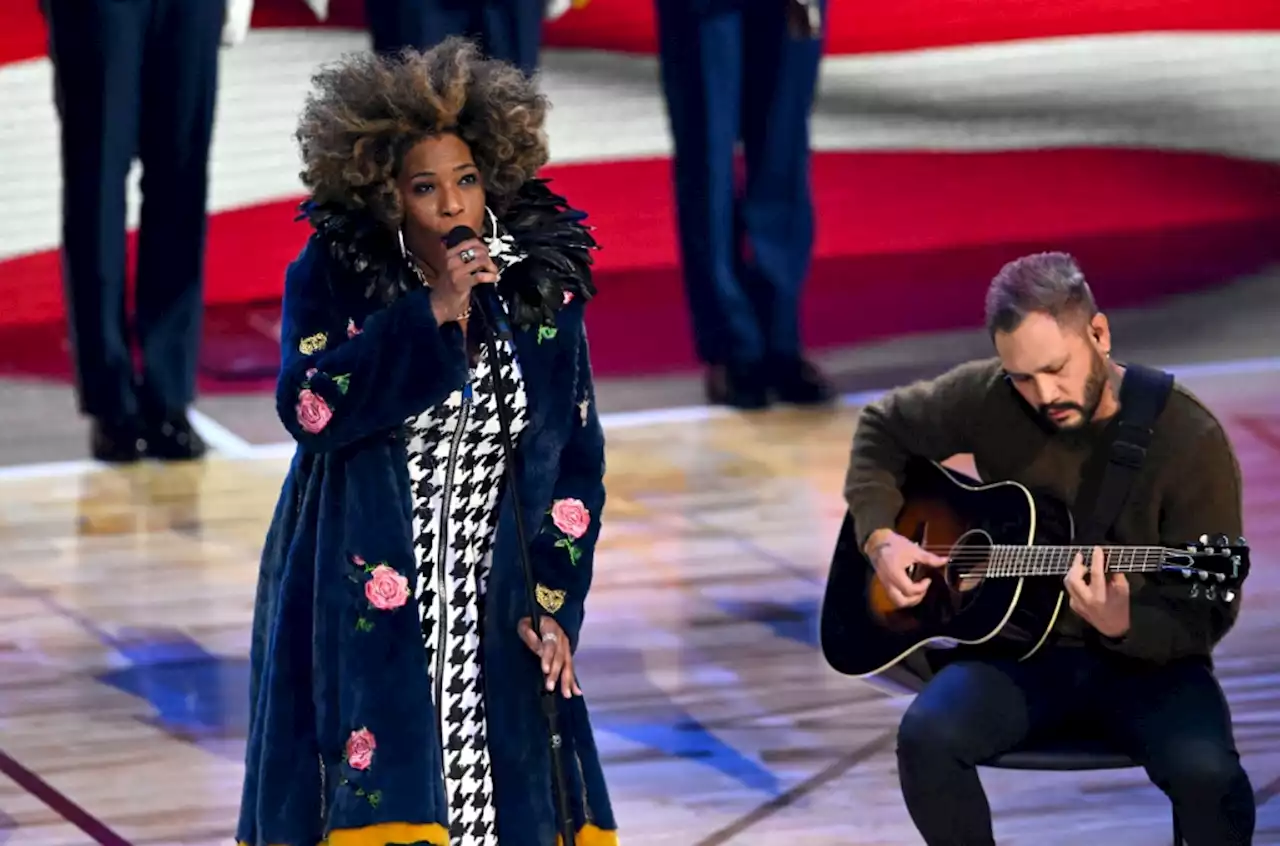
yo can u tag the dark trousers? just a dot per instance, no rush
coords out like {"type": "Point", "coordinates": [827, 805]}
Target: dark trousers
{"type": "Point", "coordinates": [508, 30]}
{"type": "Point", "coordinates": [731, 73]}
{"type": "Point", "coordinates": [135, 77]}
{"type": "Point", "coordinates": [1173, 720]}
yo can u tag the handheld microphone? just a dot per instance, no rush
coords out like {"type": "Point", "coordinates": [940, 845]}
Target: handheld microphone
{"type": "Point", "coordinates": [481, 295]}
{"type": "Point", "coordinates": [457, 235]}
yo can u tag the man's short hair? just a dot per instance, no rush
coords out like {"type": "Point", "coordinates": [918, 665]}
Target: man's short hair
{"type": "Point", "coordinates": [1051, 283]}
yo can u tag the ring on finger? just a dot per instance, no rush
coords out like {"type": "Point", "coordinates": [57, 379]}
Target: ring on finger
{"type": "Point", "coordinates": [550, 637]}
{"type": "Point", "coordinates": [468, 255]}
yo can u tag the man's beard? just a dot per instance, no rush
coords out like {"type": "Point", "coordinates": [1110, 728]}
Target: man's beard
{"type": "Point", "coordinates": [1093, 388]}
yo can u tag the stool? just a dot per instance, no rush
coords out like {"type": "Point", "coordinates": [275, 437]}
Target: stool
{"type": "Point", "coordinates": [1071, 754]}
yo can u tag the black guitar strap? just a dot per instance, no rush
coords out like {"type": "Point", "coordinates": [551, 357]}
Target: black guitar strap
{"type": "Point", "coordinates": [1143, 395]}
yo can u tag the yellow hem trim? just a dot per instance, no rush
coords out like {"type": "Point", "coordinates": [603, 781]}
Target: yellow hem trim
{"type": "Point", "coordinates": [385, 834]}
{"type": "Point", "coordinates": [400, 834]}
{"type": "Point", "coordinates": [590, 835]}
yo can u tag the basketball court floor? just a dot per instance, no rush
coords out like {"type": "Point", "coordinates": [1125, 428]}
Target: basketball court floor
{"type": "Point", "coordinates": [126, 597]}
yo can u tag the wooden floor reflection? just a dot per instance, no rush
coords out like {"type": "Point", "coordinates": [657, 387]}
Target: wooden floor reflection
{"type": "Point", "coordinates": [125, 601]}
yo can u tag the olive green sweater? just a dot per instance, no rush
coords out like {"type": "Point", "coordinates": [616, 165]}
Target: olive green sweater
{"type": "Point", "coordinates": [1189, 486]}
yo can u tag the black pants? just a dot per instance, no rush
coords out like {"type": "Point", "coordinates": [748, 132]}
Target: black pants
{"type": "Point", "coordinates": [1173, 720]}
{"type": "Point", "coordinates": [135, 77]}
{"type": "Point", "coordinates": [507, 30]}
{"type": "Point", "coordinates": [731, 72]}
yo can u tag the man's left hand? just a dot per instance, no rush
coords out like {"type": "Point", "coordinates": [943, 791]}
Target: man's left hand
{"type": "Point", "coordinates": [1103, 601]}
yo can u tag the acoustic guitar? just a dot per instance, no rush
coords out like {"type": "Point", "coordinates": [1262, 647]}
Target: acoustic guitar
{"type": "Point", "coordinates": [1008, 550]}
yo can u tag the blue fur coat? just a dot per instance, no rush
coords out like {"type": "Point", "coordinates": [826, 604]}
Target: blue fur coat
{"type": "Point", "coordinates": [362, 353]}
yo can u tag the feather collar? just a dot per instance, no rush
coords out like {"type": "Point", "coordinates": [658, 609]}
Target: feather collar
{"type": "Point", "coordinates": [540, 244]}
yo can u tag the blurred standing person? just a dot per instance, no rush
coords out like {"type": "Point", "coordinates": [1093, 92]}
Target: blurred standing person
{"type": "Point", "coordinates": [507, 30]}
{"type": "Point", "coordinates": [744, 71]}
{"type": "Point", "coordinates": [135, 77]}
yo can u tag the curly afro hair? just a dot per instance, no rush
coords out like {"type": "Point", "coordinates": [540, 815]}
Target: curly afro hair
{"type": "Point", "coordinates": [367, 111]}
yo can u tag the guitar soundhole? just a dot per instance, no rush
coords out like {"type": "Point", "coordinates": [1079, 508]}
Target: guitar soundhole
{"type": "Point", "coordinates": [968, 561]}
{"type": "Point", "coordinates": [956, 586]}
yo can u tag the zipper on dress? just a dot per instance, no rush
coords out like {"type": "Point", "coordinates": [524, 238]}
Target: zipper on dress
{"type": "Point", "coordinates": [442, 600]}
{"type": "Point", "coordinates": [324, 794]}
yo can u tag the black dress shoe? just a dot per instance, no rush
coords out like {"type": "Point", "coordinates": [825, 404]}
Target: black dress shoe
{"type": "Point", "coordinates": [742, 386]}
{"type": "Point", "coordinates": [797, 382]}
{"type": "Point", "coordinates": [116, 441]}
{"type": "Point", "coordinates": [173, 439]}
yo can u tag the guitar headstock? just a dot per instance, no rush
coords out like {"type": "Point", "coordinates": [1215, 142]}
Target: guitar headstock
{"type": "Point", "coordinates": [1215, 566]}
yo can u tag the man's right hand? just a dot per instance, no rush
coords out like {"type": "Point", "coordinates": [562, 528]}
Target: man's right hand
{"type": "Point", "coordinates": [893, 556]}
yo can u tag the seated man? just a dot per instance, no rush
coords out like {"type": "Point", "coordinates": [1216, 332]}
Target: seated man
{"type": "Point", "coordinates": [1132, 660]}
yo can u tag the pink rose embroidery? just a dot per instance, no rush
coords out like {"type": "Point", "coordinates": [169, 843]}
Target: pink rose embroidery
{"type": "Point", "coordinates": [360, 746]}
{"type": "Point", "coordinates": [571, 517]}
{"type": "Point", "coordinates": [313, 412]}
{"type": "Point", "coordinates": [359, 756]}
{"type": "Point", "coordinates": [568, 297]}
{"type": "Point", "coordinates": [386, 589]}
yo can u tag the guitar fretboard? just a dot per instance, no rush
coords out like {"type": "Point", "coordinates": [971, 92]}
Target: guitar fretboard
{"type": "Point", "coordinates": [1057, 560]}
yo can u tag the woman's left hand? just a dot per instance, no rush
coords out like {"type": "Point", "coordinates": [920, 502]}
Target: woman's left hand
{"type": "Point", "coordinates": [553, 649]}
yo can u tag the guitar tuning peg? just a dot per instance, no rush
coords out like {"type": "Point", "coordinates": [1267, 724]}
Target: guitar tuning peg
{"type": "Point", "coordinates": [1229, 596]}
{"type": "Point", "coordinates": [1240, 541]}
{"type": "Point", "coordinates": [1204, 539]}
{"type": "Point", "coordinates": [1221, 540]}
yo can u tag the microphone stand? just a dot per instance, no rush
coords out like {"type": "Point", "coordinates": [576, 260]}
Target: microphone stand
{"type": "Point", "coordinates": [548, 697]}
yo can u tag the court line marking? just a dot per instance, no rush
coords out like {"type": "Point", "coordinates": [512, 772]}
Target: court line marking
{"type": "Point", "coordinates": [229, 445]}
{"type": "Point", "coordinates": [58, 802]}
{"type": "Point", "coordinates": [219, 438]}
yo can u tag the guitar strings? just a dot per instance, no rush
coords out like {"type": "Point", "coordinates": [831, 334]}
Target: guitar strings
{"type": "Point", "coordinates": [1036, 548]}
{"type": "Point", "coordinates": [978, 562]}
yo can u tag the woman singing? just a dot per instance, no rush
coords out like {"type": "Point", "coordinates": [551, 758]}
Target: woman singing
{"type": "Point", "coordinates": [396, 674]}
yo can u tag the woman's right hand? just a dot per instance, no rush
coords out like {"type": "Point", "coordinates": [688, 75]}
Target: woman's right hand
{"type": "Point", "coordinates": [451, 292]}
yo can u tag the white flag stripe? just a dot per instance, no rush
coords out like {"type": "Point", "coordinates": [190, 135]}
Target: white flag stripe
{"type": "Point", "coordinates": [1173, 91]}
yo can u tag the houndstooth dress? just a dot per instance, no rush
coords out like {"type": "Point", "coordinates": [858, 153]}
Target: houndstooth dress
{"type": "Point", "coordinates": [456, 466]}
